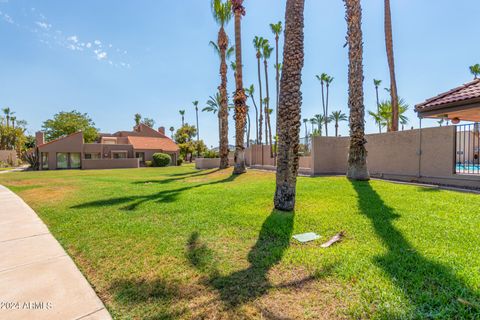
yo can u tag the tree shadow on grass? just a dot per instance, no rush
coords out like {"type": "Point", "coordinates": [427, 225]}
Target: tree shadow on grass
{"type": "Point", "coordinates": [178, 177]}
{"type": "Point", "coordinates": [432, 289]}
{"type": "Point", "coordinates": [251, 283]}
{"type": "Point", "coordinates": [164, 196]}
{"type": "Point", "coordinates": [140, 293]}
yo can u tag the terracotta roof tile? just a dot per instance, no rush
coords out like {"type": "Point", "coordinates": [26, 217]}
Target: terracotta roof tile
{"type": "Point", "coordinates": [151, 143]}
{"type": "Point", "coordinates": [466, 92]}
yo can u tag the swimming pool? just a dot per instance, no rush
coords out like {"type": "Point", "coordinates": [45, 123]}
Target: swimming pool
{"type": "Point", "coordinates": [468, 168]}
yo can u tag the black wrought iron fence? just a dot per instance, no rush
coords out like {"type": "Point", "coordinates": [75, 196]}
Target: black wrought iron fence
{"type": "Point", "coordinates": [467, 156]}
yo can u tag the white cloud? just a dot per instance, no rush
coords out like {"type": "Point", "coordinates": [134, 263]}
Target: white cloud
{"type": "Point", "coordinates": [98, 42]}
{"type": "Point", "coordinates": [100, 55]}
{"type": "Point", "coordinates": [73, 39]}
{"type": "Point", "coordinates": [43, 25]}
{"type": "Point", "coordinates": [88, 45]}
{"type": "Point", "coordinates": [6, 17]}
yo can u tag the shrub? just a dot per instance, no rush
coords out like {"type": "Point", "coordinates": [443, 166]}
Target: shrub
{"type": "Point", "coordinates": [148, 163]}
{"type": "Point", "coordinates": [209, 154]}
{"type": "Point", "coordinates": [179, 162]}
{"type": "Point", "coordinates": [161, 159]}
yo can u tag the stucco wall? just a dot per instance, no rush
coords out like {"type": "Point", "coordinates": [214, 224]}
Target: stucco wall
{"type": "Point", "coordinates": [393, 153]}
{"type": "Point", "coordinates": [8, 156]}
{"type": "Point", "coordinates": [207, 163]}
{"type": "Point", "coordinates": [149, 155]}
{"type": "Point", "coordinates": [110, 164]}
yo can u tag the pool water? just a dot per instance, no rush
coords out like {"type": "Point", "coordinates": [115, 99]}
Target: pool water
{"type": "Point", "coordinates": [469, 168]}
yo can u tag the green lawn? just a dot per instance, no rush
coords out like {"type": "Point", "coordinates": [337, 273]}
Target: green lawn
{"type": "Point", "coordinates": [179, 243]}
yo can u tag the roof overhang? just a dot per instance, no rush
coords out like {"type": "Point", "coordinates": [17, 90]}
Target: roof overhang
{"type": "Point", "coordinates": [465, 111]}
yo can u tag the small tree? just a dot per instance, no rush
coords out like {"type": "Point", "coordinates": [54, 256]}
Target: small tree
{"type": "Point", "coordinates": [184, 139]}
{"type": "Point", "coordinates": [149, 122]}
{"type": "Point", "coordinates": [161, 159]}
{"type": "Point", "coordinates": [138, 119]}
{"type": "Point", "coordinates": [65, 123]}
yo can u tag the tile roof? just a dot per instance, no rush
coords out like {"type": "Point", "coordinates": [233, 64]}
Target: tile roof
{"type": "Point", "coordinates": [465, 92]}
{"type": "Point", "coordinates": [151, 143]}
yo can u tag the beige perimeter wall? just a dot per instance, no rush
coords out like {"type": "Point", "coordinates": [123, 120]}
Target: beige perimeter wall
{"type": "Point", "coordinates": [8, 156]}
{"type": "Point", "coordinates": [110, 163]}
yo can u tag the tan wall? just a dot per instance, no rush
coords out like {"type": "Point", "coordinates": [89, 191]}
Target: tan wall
{"type": "Point", "coordinates": [8, 156]}
{"type": "Point", "coordinates": [256, 158]}
{"type": "Point", "coordinates": [70, 144]}
{"type": "Point", "coordinates": [110, 164]}
{"type": "Point", "coordinates": [393, 153]}
{"type": "Point", "coordinates": [207, 163]}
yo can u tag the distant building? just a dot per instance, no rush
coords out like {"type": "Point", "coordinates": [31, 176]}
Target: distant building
{"type": "Point", "coordinates": [123, 149]}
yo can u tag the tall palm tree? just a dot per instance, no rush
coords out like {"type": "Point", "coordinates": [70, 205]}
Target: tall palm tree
{"type": "Point", "coordinates": [289, 107]}
{"type": "Point", "coordinates": [251, 93]}
{"type": "Point", "coordinates": [222, 14]}
{"type": "Point", "coordinates": [138, 119]}
{"type": "Point", "coordinates": [391, 64]}
{"type": "Point", "coordinates": [313, 122]}
{"type": "Point", "coordinates": [258, 43]}
{"type": "Point", "coordinates": [182, 113]}
{"type": "Point", "coordinates": [336, 117]}
{"type": "Point", "coordinates": [277, 29]}
{"type": "Point", "coordinates": [357, 156]}
{"type": "Point", "coordinates": [240, 97]}
{"type": "Point", "coordinates": [328, 82]}
{"type": "Point", "coordinates": [377, 84]}
{"type": "Point", "coordinates": [266, 52]}
{"type": "Point", "coordinates": [171, 131]}
{"type": "Point", "coordinates": [475, 70]}
{"type": "Point", "coordinates": [195, 104]}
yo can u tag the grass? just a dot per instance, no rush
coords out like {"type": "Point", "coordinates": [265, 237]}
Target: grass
{"type": "Point", "coordinates": [175, 243]}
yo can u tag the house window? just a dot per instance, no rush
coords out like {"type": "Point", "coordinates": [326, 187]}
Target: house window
{"type": "Point", "coordinates": [45, 160]}
{"type": "Point", "coordinates": [75, 162]}
{"type": "Point", "coordinates": [62, 160]}
{"type": "Point", "coordinates": [119, 155]}
{"type": "Point", "coordinates": [92, 156]}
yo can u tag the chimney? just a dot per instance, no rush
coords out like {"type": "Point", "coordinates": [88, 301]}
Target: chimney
{"type": "Point", "coordinates": [161, 130]}
{"type": "Point", "coordinates": [39, 138]}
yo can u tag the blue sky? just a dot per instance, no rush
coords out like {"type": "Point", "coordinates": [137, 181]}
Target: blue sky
{"type": "Point", "coordinates": [112, 59]}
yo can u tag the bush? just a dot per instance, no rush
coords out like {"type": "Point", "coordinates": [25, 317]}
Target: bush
{"type": "Point", "coordinates": [179, 162]}
{"type": "Point", "coordinates": [148, 163]}
{"type": "Point", "coordinates": [209, 154]}
{"type": "Point", "coordinates": [161, 159]}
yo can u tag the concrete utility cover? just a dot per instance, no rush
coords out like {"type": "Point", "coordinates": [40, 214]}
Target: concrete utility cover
{"type": "Point", "coordinates": [306, 237]}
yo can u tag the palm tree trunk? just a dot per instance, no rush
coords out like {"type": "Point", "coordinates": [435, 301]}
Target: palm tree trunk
{"type": "Point", "coordinates": [256, 118]}
{"type": "Point", "coordinates": [248, 129]}
{"type": "Point", "coordinates": [378, 109]}
{"type": "Point", "coordinates": [261, 99]}
{"type": "Point", "coordinates": [326, 112]}
{"type": "Point", "coordinates": [277, 79]}
{"type": "Point", "coordinates": [198, 131]}
{"type": "Point", "coordinates": [223, 112]}
{"type": "Point", "coordinates": [391, 65]}
{"type": "Point", "coordinates": [267, 111]}
{"type": "Point", "coordinates": [357, 156]}
{"type": "Point", "coordinates": [239, 98]}
{"type": "Point", "coordinates": [336, 128]}
{"type": "Point", "coordinates": [289, 107]}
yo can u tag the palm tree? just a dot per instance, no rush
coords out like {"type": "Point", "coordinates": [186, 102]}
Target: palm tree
{"type": "Point", "coordinates": [325, 81]}
{"type": "Point", "coordinates": [277, 29]}
{"type": "Point", "coordinates": [475, 70]}
{"type": "Point", "coordinates": [239, 98]}
{"type": "Point", "coordinates": [266, 52]}
{"type": "Point", "coordinates": [8, 113]}
{"type": "Point", "coordinates": [182, 113]}
{"type": "Point", "coordinates": [391, 64]}
{"type": "Point", "coordinates": [377, 84]}
{"type": "Point", "coordinates": [336, 117]}
{"type": "Point", "coordinates": [13, 120]}
{"type": "Point", "coordinates": [289, 107]}
{"type": "Point", "coordinates": [195, 104]}
{"type": "Point", "coordinates": [357, 156]}
{"type": "Point", "coordinates": [384, 115]}
{"type": "Point", "coordinates": [250, 93]}
{"type": "Point", "coordinates": [222, 14]}
{"type": "Point", "coordinates": [319, 121]}
{"type": "Point", "coordinates": [171, 131]}
{"type": "Point", "coordinates": [258, 43]}
{"type": "Point", "coordinates": [313, 122]}
{"type": "Point", "coordinates": [138, 119]}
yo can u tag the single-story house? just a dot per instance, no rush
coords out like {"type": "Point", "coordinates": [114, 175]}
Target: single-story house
{"type": "Point", "coordinates": [123, 149]}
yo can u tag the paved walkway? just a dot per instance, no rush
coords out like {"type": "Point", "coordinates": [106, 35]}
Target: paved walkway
{"type": "Point", "coordinates": [38, 280]}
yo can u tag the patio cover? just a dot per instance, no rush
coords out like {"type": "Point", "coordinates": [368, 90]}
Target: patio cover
{"type": "Point", "coordinates": [461, 103]}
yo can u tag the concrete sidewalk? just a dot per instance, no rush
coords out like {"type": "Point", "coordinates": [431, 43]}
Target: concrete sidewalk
{"type": "Point", "coordinates": [38, 280]}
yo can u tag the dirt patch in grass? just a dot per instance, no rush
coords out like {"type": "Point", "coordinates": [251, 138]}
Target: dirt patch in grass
{"type": "Point", "coordinates": [48, 194]}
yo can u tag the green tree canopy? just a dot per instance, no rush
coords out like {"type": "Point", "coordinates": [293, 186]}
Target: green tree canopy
{"type": "Point", "coordinates": [184, 138]}
{"type": "Point", "coordinates": [65, 123]}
